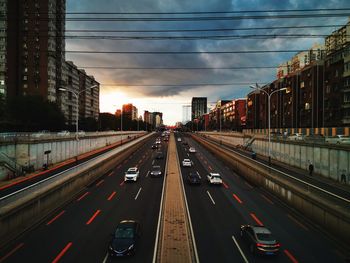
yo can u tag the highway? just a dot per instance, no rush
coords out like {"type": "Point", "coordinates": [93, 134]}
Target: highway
{"type": "Point", "coordinates": [218, 211]}
{"type": "Point", "coordinates": [80, 231]}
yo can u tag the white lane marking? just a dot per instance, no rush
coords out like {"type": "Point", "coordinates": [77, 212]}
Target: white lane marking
{"type": "Point", "coordinates": [198, 175]}
{"type": "Point", "coordinates": [211, 197]}
{"type": "Point", "coordinates": [105, 259]}
{"type": "Point", "coordinates": [188, 155]}
{"type": "Point", "coordinates": [240, 250]}
{"type": "Point", "coordinates": [147, 174]}
{"type": "Point", "coordinates": [153, 162]}
{"type": "Point", "coordinates": [137, 195]}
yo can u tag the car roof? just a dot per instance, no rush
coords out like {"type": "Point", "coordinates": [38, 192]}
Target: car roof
{"type": "Point", "coordinates": [215, 174]}
{"type": "Point", "coordinates": [156, 166]}
{"type": "Point", "coordinates": [187, 160]}
{"type": "Point", "coordinates": [125, 223]}
{"type": "Point", "coordinates": [260, 230]}
{"type": "Point", "coordinates": [131, 169]}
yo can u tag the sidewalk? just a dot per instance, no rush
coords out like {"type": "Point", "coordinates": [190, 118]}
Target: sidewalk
{"type": "Point", "coordinates": [175, 246]}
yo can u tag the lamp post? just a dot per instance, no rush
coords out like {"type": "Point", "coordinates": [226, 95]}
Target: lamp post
{"type": "Point", "coordinates": [257, 88]}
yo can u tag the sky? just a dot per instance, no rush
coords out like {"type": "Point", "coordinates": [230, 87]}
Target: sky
{"type": "Point", "coordinates": [168, 90]}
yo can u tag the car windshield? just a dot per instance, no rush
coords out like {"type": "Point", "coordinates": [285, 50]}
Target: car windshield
{"type": "Point", "coordinates": [156, 168]}
{"type": "Point", "coordinates": [131, 172]}
{"type": "Point", "coordinates": [123, 232]}
{"type": "Point", "coordinates": [265, 237]}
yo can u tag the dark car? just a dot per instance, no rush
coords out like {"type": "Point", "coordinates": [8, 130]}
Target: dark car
{"type": "Point", "coordinates": [260, 240]}
{"type": "Point", "coordinates": [154, 146]}
{"type": "Point", "coordinates": [124, 239]}
{"type": "Point", "coordinates": [185, 143]}
{"type": "Point", "coordinates": [156, 171]}
{"type": "Point", "coordinates": [160, 155]}
{"type": "Point", "coordinates": [194, 178]}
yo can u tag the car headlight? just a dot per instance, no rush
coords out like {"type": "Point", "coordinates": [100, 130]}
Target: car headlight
{"type": "Point", "coordinates": [131, 247]}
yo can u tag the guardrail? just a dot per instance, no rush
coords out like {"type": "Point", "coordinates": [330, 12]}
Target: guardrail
{"type": "Point", "coordinates": [65, 175]}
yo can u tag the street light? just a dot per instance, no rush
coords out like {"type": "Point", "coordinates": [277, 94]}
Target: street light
{"type": "Point", "coordinates": [257, 88]}
{"type": "Point", "coordinates": [76, 94]}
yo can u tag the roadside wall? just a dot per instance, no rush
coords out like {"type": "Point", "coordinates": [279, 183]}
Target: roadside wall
{"type": "Point", "coordinates": [328, 160]}
{"type": "Point", "coordinates": [31, 152]}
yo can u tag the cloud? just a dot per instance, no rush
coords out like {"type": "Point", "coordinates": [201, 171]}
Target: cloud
{"type": "Point", "coordinates": [177, 78]}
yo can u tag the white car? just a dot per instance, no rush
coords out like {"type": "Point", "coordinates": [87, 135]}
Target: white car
{"type": "Point", "coordinates": [214, 178]}
{"type": "Point", "coordinates": [339, 139]}
{"type": "Point", "coordinates": [63, 133]}
{"type": "Point", "coordinates": [132, 174]}
{"type": "Point", "coordinates": [179, 139]}
{"type": "Point", "coordinates": [186, 163]}
{"type": "Point", "coordinates": [192, 150]}
{"type": "Point", "coordinates": [296, 137]}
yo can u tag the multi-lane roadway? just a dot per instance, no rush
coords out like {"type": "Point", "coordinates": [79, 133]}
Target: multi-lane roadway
{"type": "Point", "coordinates": [81, 230]}
{"type": "Point", "coordinates": [218, 212]}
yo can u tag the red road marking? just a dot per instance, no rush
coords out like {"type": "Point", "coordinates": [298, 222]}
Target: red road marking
{"type": "Point", "coordinates": [11, 252]}
{"type": "Point", "coordinates": [267, 199]}
{"type": "Point", "coordinates": [110, 174]}
{"type": "Point", "coordinates": [291, 257]}
{"type": "Point", "coordinates": [122, 183]}
{"type": "Point", "coordinates": [100, 182]}
{"type": "Point", "coordinates": [93, 217]}
{"type": "Point", "coordinates": [205, 162]}
{"type": "Point", "coordinates": [56, 217]}
{"type": "Point", "coordinates": [237, 198]}
{"type": "Point", "coordinates": [62, 252]}
{"type": "Point", "coordinates": [297, 222]}
{"type": "Point", "coordinates": [111, 196]}
{"type": "Point", "coordinates": [225, 185]}
{"type": "Point", "coordinates": [210, 168]}
{"type": "Point", "coordinates": [256, 219]}
{"type": "Point", "coordinates": [140, 161]}
{"type": "Point", "coordinates": [81, 197]}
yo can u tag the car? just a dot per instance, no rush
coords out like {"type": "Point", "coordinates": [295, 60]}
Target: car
{"type": "Point", "coordinates": [185, 143]}
{"type": "Point", "coordinates": [166, 138]}
{"type": "Point", "coordinates": [194, 178]}
{"type": "Point", "coordinates": [124, 239]}
{"type": "Point", "coordinates": [159, 155]}
{"type": "Point", "coordinates": [339, 139]}
{"type": "Point", "coordinates": [214, 178]}
{"type": "Point", "coordinates": [186, 163]}
{"type": "Point", "coordinates": [260, 240]}
{"type": "Point", "coordinates": [296, 137]}
{"type": "Point", "coordinates": [154, 146]}
{"type": "Point", "coordinates": [156, 171]}
{"type": "Point", "coordinates": [192, 150]}
{"type": "Point", "coordinates": [179, 139]}
{"type": "Point", "coordinates": [132, 174]}
{"type": "Point", "coordinates": [63, 133]}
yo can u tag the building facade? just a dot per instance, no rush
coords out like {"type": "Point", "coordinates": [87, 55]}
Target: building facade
{"type": "Point", "coordinates": [198, 107]}
{"type": "Point", "coordinates": [34, 49]}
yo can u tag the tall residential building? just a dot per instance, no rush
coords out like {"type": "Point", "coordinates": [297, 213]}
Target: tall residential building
{"type": "Point", "coordinates": [32, 38]}
{"type": "Point", "coordinates": [199, 107]}
{"type": "Point", "coordinates": [338, 39]}
{"type": "Point", "coordinates": [79, 83]}
{"type": "Point", "coordinates": [186, 113]}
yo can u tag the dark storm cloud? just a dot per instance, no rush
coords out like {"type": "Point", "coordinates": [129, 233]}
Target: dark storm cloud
{"type": "Point", "coordinates": [176, 77]}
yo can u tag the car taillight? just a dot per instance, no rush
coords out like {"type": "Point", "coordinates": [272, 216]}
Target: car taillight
{"type": "Point", "coordinates": [260, 245]}
{"type": "Point", "coordinates": [278, 245]}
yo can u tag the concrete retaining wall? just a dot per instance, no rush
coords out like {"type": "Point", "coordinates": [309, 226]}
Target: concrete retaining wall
{"type": "Point", "coordinates": [329, 160]}
{"type": "Point", "coordinates": [28, 153]}
{"type": "Point", "coordinates": [24, 213]}
{"type": "Point", "coordinates": [333, 216]}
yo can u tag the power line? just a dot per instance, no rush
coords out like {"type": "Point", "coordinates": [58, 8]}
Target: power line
{"type": "Point", "coordinates": [184, 52]}
{"type": "Point", "coordinates": [179, 68]}
{"type": "Point", "coordinates": [178, 85]}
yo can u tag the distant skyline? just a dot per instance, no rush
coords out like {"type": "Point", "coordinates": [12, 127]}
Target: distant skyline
{"type": "Point", "coordinates": [173, 94]}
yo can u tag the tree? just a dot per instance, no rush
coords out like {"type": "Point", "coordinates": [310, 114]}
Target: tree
{"type": "Point", "coordinates": [33, 113]}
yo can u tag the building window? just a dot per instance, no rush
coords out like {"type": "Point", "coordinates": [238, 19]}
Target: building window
{"type": "Point", "coordinates": [347, 97]}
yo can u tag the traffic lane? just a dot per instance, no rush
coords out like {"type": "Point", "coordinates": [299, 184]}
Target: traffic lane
{"type": "Point", "coordinates": [29, 180]}
{"type": "Point", "coordinates": [78, 218]}
{"type": "Point", "coordinates": [273, 214]}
